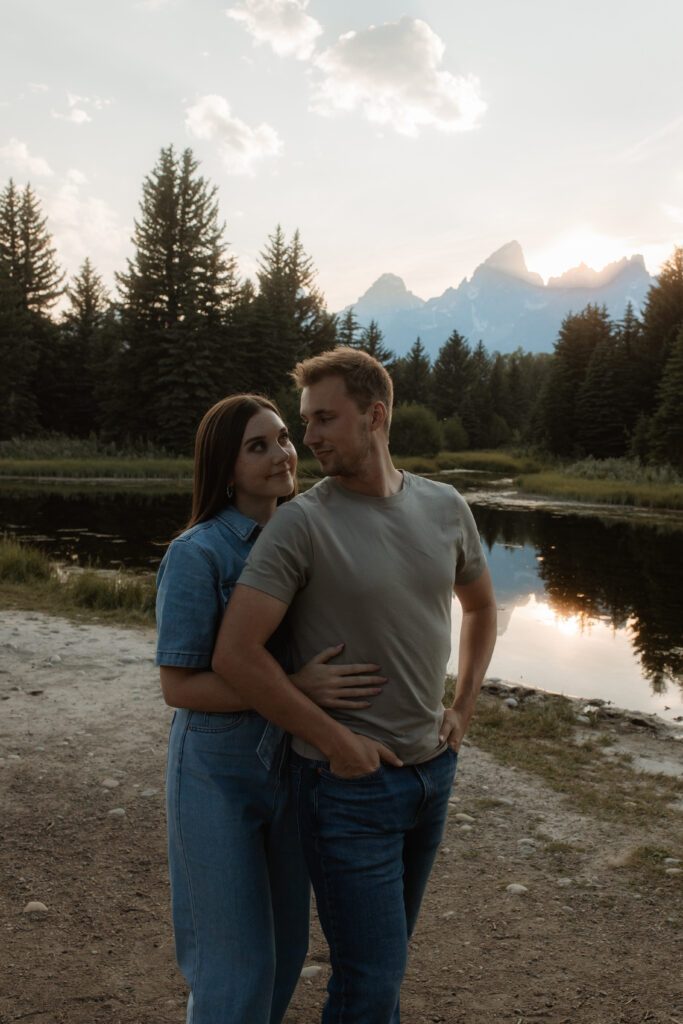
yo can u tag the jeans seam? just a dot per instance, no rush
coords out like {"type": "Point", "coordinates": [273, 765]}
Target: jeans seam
{"type": "Point", "coordinates": [195, 966]}
{"type": "Point", "coordinates": [332, 915]}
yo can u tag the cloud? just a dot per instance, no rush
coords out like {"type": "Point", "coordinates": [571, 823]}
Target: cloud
{"type": "Point", "coordinates": [77, 115]}
{"type": "Point", "coordinates": [240, 145]}
{"type": "Point", "coordinates": [16, 153]}
{"type": "Point", "coordinates": [38, 87]}
{"type": "Point", "coordinates": [283, 24]}
{"type": "Point", "coordinates": [391, 73]}
{"type": "Point", "coordinates": [83, 226]}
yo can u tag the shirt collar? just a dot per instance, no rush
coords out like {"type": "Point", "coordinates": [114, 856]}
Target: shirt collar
{"type": "Point", "coordinates": [240, 525]}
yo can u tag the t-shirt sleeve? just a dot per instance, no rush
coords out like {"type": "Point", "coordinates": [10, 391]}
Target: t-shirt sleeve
{"type": "Point", "coordinates": [470, 560]}
{"type": "Point", "coordinates": [188, 607]}
{"type": "Point", "coordinates": [280, 562]}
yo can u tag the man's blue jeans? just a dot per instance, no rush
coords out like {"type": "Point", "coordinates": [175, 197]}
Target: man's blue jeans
{"type": "Point", "coordinates": [239, 883]}
{"type": "Point", "coordinates": [370, 843]}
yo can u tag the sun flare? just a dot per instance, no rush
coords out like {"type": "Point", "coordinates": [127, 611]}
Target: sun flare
{"type": "Point", "coordinates": [583, 245]}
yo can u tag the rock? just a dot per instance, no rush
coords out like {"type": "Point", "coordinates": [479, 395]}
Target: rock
{"type": "Point", "coordinates": [117, 812]}
{"type": "Point", "coordinates": [672, 860]}
{"type": "Point", "coordinates": [310, 972]}
{"type": "Point", "coordinates": [465, 828]}
{"type": "Point", "coordinates": [449, 913]}
{"type": "Point", "coordinates": [461, 816]}
{"type": "Point", "coordinates": [516, 889]}
{"type": "Point", "coordinates": [55, 659]}
{"type": "Point", "coordinates": [148, 792]}
{"type": "Point", "coordinates": [35, 907]}
{"type": "Point", "coordinates": [510, 702]}
{"type": "Point", "coordinates": [563, 883]}
{"type": "Point", "coordinates": [583, 719]}
{"type": "Point", "coordinates": [531, 843]}
{"type": "Point", "coordinates": [673, 871]}
{"type": "Point", "coordinates": [109, 783]}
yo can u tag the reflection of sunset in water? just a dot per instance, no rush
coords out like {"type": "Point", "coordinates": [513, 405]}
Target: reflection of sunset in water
{"type": "Point", "coordinates": [575, 654]}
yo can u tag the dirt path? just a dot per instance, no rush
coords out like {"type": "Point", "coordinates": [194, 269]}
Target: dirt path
{"type": "Point", "coordinates": [83, 734]}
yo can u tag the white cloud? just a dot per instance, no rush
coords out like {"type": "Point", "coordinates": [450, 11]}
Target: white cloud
{"type": "Point", "coordinates": [391, 73]}
{"type": "Point", "coordinates": [16, 153]}
{"type": "Point", "coordinates": [83, 226]}
{"type": "Point", "coordinates": [282, 24]}
{"type": "Point", "coordinates": [76, 116]}
{"type": "Point", "coordinates": [38, 87]}
{"type": "Point", "coordinates": [240, 145]}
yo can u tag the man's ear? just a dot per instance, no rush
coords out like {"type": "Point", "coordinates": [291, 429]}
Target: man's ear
{"type": "Point", "coordinates": [378, 416]}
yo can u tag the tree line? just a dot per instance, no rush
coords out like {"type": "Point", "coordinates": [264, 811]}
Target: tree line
{"type": "Point", "coordinates": [184, 329]}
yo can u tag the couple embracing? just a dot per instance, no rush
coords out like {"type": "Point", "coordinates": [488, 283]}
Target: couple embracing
{"type": "Point", "coordinates": [332, 624]}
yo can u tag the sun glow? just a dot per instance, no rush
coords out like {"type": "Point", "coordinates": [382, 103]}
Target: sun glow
{"type": "Point", "coordinates": [583, 245]}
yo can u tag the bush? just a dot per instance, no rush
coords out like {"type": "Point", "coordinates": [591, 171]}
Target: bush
{"type": "Point", "coordinates": [19, 564]}
{"type": "Point", "coordinates": [415, 430]}
{"type": "Point", "coordinates": [454, 434]}
{"type": "Point", "coordinates": [92, 590]}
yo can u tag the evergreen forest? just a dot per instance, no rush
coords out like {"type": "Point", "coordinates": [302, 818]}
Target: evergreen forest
{"type": "Point", "coordinates": [137, 370]}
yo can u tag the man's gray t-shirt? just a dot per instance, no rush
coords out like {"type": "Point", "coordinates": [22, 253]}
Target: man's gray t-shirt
{"type": "Point", "coordinates": [378, 574]}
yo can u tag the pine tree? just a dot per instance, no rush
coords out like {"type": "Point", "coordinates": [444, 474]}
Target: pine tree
{"type": "Point", "coordinates": [347, 328]}
{"type": "Point", "coordinates": [451, 376]}
{"type": "Point", "coordinates": [289, 316]}
{"type": "Point", "coordinates": [579, 335]}
{"type": "Point", "coordinates": [667, 422]}
{"type": "Point", "coordinates": [177, 297]}
{"type": "Point", "coordinates": [601, 405]}
{"type": "Point", "coordinates": [18, 406]}
{"type": "Point", "coordinates": [371, 340]}
{"type": "Point", "coordinates": [27, 256]}
{"type": "Point", "coordinates": [88, 349]}
{"type": "Point", "coordinates": [662, 318]}
{"type": "Point", "coordinates": [476, 408]}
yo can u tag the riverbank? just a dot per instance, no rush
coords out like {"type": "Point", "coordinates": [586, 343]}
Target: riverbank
{"type": "Point", "coordinates": [589, 938]}
{"type": "Point", "coordinates": [618, 482]}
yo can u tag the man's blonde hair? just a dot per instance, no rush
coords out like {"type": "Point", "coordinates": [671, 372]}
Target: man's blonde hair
{"type": "Point", "coordinates": [365, 379]}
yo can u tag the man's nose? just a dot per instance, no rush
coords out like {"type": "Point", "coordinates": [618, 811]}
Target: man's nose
{"type": "Point", "coordinates": [309, 436]}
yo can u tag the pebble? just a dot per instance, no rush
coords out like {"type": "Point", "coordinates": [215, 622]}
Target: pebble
{"type": "Point", "coordinates": [13, 757]}
{"type": "Point", "coordinates": [117, 812]}
{"type": "Point", "coordinates": [672, 860]}
{"type": "Point", "coordinates": [449, 913]}
{"type": "Point", "coordinates": [515, 889]}
{"type": "Point", "coordinates": [55, 659]}
{"type": "Point", "coordinates": [461, 816]}
{"type": "Point", "coordinates": [583, 719]}
{"type": "Point", "coordinates": [510, 702]}
{"type": "Point", "coordinates": [310, 972]}
{"type": "Point", "coordinates": [468, 828]}
{"type": "Point", "coordinates": [673, 871]}
{"type": "Point", "coordinates": [148, 792]}
{"type": "Point", "coordinates": [109, 783]}
{"type": "Point", "coordinates": [563, 883]}
{"type": "Point", "coordinates": [35, 907]}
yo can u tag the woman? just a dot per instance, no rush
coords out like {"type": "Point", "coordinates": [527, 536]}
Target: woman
{"type": "Point", "coordinates": [240, 891]}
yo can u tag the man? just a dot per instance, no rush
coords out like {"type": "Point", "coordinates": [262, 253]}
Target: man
{"type": "Point", "coordinates": [369, 556]}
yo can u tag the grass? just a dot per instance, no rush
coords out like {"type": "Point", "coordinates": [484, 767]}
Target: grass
{"type": "Point", "coordinates": [29, 581]}
{"type": "Point", "coordinates": [540, 739]}
{"type": "Point", "coordinates": [616, 492]}
{"type": "Point", "coordinates": [99, 467]}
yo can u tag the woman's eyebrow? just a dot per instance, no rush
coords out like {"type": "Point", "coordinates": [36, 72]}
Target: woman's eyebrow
{"type": "Point", "coordinates": [256, 437]}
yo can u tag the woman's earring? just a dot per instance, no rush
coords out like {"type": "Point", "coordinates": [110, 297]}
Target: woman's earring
{"type": "Point", "coordinates": [230, 491]}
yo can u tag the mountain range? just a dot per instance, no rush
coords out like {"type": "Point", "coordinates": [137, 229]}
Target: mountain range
{"type": "Point", "coordinates": [503, 304]}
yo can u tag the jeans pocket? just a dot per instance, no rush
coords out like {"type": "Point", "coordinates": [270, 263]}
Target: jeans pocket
{"type": "Point", "coordinates": [215, 721]}
{"type": "Point", "coordinates": [352, 779]}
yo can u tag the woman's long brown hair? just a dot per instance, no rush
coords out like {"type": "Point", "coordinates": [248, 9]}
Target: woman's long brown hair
{"type": "Point", "coordinates": [216, 447]}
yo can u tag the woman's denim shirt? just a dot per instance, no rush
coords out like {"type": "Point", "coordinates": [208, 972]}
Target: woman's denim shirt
{"type": "Point", "coordinates": [196, 578]}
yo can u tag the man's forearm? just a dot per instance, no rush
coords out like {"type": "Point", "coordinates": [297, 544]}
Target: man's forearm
{"type": "Point", "coordinates": [264, 686]}
{"type": "Point", "coordinates": [477, 640]}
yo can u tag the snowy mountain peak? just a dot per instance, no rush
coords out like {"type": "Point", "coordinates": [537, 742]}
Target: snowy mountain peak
{"type": "Point", "coordinates": [509, 259]}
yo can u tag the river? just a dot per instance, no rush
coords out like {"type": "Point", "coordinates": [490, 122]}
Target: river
{"type": "Point", "coordinates": [590, 604]}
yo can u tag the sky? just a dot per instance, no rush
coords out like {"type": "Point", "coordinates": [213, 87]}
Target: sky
{"type": "Point", "coordinates": [414, 138]}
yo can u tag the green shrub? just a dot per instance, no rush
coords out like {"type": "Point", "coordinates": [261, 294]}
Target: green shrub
{"type": "Point", "coordinates": [454, 434]}
{"type": "Point", "coordinates": [97, 592]}
{"type": "Point", "coordinates": [22, 564]}
{"type": "Point", "coordinates": [415, 430]}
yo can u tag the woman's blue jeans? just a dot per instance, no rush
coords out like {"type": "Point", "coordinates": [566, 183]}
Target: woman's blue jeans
{"type": "Point", "coordinates": [370, 843]}
{"type": "Point", "coordinates": [239, 884]}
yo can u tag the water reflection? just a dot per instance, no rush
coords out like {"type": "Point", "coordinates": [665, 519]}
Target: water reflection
{"type": "Point", "coordinates": [590, 578]}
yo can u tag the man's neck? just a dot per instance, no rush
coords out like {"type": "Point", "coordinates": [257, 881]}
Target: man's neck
{"type": "Point", "coordinates": [377, 478]}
